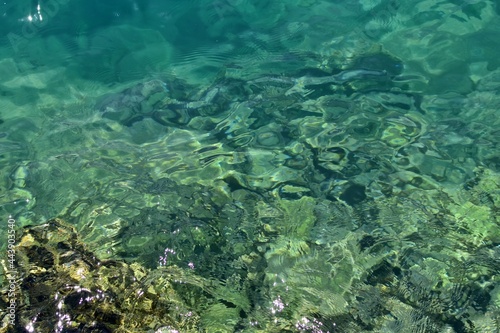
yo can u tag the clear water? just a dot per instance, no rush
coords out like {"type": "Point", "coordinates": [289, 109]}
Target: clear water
{"type": "Point", "coordinates": [333, 163]}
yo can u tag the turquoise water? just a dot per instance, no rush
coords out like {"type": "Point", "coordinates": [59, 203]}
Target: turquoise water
{"type": "Point", "coordinates": [332, 165]}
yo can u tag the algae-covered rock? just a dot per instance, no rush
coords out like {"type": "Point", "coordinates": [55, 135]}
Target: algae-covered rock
{"type": "Point", "coordinates": [64, 285]}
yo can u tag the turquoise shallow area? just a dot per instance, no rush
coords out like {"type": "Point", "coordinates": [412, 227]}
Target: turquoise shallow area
{"type": "Point", "coordinates": [333, 165]}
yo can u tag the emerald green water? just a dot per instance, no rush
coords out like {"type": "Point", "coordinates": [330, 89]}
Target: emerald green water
{"type": "Point", "coordinates": [335, 164]}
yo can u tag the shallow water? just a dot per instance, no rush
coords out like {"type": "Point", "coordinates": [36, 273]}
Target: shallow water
{"type": "Point", "coordinates": [333, 164]}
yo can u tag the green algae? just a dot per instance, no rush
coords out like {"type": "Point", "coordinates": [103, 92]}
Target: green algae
{"type": "Point", "coordinates": [298, 217]}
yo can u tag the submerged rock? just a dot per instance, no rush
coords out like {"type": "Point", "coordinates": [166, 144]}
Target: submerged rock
{"type": "Point", "coordinates": [63, 286]}
{"type": "Point", "coordinates": [133, 104]}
